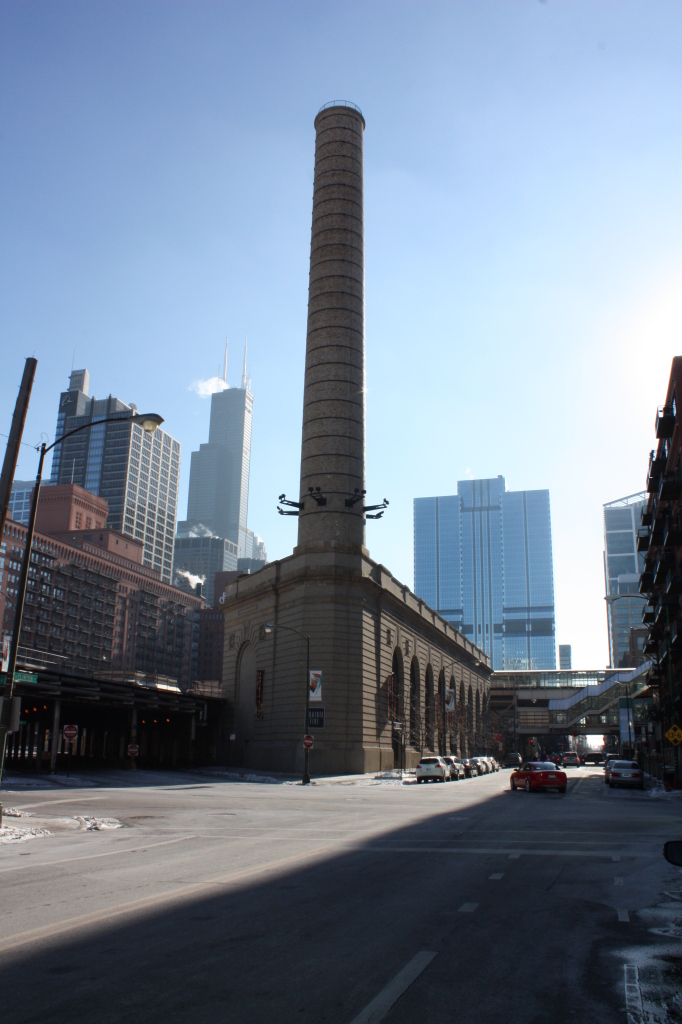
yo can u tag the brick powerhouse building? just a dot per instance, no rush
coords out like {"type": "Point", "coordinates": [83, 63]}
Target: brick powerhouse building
{"type": "Point", "coordinates": [660, 536]}
{"type": "Point", "coordinates": [91, 605]}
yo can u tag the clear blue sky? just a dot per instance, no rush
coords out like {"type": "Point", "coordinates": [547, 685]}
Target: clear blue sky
{"type": "Point", "coordinates": [523, 208]}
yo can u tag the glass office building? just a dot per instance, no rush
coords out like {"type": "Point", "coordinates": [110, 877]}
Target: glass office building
{"type": "Point", "coordinates": [483, 560]}
{"type": "Point", "coordinates": [622, 568]}
{"type": "Point", "coordinates": [19, 505]}
{"type": "Point", "coordinates": [136, 472]}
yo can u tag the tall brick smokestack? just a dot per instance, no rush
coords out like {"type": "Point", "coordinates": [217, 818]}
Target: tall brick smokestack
{"type": "Point", "coordinates": [333, 445]}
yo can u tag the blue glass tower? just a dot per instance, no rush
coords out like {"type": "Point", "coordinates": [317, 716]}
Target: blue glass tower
{"type": "Point", "coordinates": [483, 560]}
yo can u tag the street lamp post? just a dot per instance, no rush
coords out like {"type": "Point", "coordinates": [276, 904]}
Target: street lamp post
{"type": "Point", "coordinates": [149, 422]}
{"type": "Point", "coordinates": [269, 627]}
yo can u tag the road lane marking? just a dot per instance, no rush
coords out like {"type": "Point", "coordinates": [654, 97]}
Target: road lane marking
{"type": "Point", "coordinates": [213, 886]}
{"type": "Point", "coordinates": [389, 996]}
{"type": "Point", "coordinates": [618, 880]}
{"type": "Point", "coordinates": [514, 856]}
{"type": "Point", "coordinates": [496, 877]}
{"type": "Point", "coordinates": [633, 994]}
{"type": "Point", "coordinates": [623, 916]}
{"type": "Point", "coordinates": [468, 908]}
{"type": "Point", "coordinates": [94, 856]}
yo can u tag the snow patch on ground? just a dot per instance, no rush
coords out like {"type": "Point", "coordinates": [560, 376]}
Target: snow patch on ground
{"type": "Point", "coordinates": [658, 792]}
{"type": "Point", "coordinates": [14, 812]}
{"type": "Point", "coordinates": [97, 824]}
{"type": "Point", "coordinates": [13, 834]}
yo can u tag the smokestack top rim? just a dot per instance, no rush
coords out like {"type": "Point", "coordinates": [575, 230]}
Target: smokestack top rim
{"type": "Point", "coordinates": [342, 103]}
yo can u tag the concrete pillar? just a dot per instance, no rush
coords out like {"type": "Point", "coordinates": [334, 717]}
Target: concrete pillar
{"type": "Point", "coordinates": [55, 735]}
{"type": "Point", "coordinates": [333, 445]}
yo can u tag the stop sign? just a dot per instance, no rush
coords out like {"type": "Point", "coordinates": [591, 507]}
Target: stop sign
{"type": "Point", "coordinates": [308, 742]}
{"type": "Point", "coordinates": [70, 732]}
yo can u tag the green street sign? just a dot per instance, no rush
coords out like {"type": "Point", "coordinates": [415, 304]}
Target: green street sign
{"type": "Point", "coordinates": [22, 677]}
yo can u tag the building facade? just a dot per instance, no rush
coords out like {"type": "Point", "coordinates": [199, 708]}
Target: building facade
{"type": "Point", "coordinates": [659, 538]}
{"type": "Point", "coordinates": [565, 657]}
{"type": "Point", "coordinates": [218, 497]}
{"type": "Point", "coordinates": [202, 557]}
{"type": "Point", "coordinates": [397, 678]}
{"type": "Point", "coordinates": [622, 568]}
{"type": "Point", "coordinates": [135, 472]}
{"type": "Point", "coordinates": [19, 506]}
{"type": "Point", "coordinates": [92, 606]}
{"type": "Point", "coordinates": [483, 560]}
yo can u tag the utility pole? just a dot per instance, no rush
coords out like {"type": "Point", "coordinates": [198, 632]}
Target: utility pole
{"type": "Point", "coordinates": [16, 430]}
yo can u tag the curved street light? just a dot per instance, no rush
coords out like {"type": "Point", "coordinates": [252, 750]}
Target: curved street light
{"type": "Point", "coordinates": [149, 422]}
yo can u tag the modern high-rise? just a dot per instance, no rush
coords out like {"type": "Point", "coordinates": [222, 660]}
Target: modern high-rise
{"type": "Point", "coordinates": [19, 506]}
{"type": "Point", "coordinates": [218, 498]}
{"type": "Point", "coordinates": [483, 560]}
{"type": "Point", "coordinates": [565, 657]}
{"type": "Point", "coordinates": [622, 568]}
{"type": "Point", "coordinates": [137, 473]}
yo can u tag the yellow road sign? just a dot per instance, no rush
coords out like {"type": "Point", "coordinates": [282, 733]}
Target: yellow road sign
{"type": "Point", "coordinates": [674, 735]}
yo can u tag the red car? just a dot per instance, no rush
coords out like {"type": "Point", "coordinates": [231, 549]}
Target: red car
{"type": "Point", "coordinates": [538, 775]}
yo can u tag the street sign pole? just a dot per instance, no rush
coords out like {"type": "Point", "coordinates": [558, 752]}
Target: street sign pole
{"type": "Point", "coordinates": [306, 773]}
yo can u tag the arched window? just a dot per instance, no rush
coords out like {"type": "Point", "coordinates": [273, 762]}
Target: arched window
{"type": "Point", "coordinates": [415, 706]}
{"type": "Point", "coordinates": [429, 709]}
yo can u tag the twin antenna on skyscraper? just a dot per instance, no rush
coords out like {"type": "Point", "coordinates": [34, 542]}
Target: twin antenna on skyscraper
{"type": "Point", "coordinates": [246, 382]}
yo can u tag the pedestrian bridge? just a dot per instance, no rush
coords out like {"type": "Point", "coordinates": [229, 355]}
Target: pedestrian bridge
{"type": "Point", "coordinates": [591, 708]}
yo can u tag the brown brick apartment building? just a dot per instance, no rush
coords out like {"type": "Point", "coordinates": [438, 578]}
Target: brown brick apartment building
{"type": "Point", "coordinates": [91, 605]}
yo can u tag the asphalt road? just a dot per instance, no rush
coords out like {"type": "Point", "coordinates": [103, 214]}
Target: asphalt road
{"type": "Point", "coordinates": [224, 900]}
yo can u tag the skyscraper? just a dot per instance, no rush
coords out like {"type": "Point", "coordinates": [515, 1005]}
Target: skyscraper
{"type": "Point", "coordinates": [483, 560]}
{"type": "Point", "coordinates": [19, 506]}
{"type": "Point", "coordinates": [135, 472]}
{"type": "Point", "coordinates": [622, 568]}
{"type": "Point", "coordinates": [565, 657]}
{"type": "Point", "coordinates": [218, 499]}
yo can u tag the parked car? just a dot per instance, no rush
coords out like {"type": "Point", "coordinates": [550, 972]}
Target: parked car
{"type": "Point", "coordinates": [481, 764]}
{"type": "Point", "coordinates": [570, 759]}
{"type": "Point", "coordinates": [607, 766]}
{"type": "Point", "coordinates": [538, 775]}
{"type": "Point", "coordinates": [512, 761]}
{"type": "Point", "coordinates": [456, 768]}
{"type": "Point", "coordinates": [432, 769]}
{"type": "Point", "coordinates": [470, 767]}
{"type": "Point", "coordinates": [495, 764]}
{"type": "Point", "coordinates": [626, 773]}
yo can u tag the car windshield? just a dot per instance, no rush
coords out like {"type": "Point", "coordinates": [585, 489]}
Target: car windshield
{"type": "Point", "coordinates": [625, 764]}
{"type": "Point", "coordinates": [547, 764]}
{"type": "Point", "coordinates": [424, 760]}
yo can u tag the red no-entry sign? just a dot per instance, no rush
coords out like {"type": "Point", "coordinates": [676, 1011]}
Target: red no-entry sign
{"type": "Point", "coordinates": [70, 732]}
{"type": "Point", "coordinates": [308, 742]}
{"type": "Point", "coordinates": [133, 750]}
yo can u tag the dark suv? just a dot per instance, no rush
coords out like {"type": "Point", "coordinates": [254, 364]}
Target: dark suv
{"type": "Point", "coordinates": [512, 761]}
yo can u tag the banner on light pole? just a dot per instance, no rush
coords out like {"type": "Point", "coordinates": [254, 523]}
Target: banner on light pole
{"type": "Point", "coordinates": [315, 684]}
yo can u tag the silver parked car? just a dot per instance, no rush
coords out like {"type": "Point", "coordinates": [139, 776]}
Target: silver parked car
{"type": "Point", "coordinates": [456, 768]}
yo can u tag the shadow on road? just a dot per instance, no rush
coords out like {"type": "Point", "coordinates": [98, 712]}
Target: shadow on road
{"type": "Point", "coordinates": [313, 942]}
